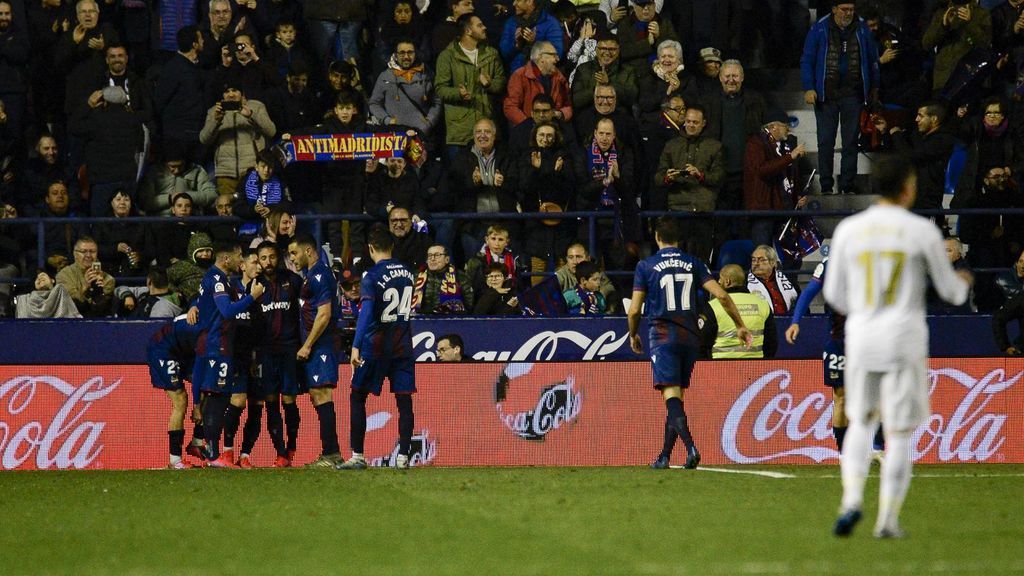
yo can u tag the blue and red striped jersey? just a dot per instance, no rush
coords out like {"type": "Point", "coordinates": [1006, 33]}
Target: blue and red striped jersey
{"type": "Point", "coordinates": [318, 287]}
{"type": "Point", "coordinates": [279, 307]}
{"type": "Point", "coordinates": [671, 280]}
{"type": "Point", "coordinates": [385, 306]}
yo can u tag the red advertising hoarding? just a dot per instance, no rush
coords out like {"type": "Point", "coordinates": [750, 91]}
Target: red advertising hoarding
{"type": "Point", "coordinates": [550, 414]}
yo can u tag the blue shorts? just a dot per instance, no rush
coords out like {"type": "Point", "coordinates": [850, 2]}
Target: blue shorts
{"type": "Point", "coordinates": [321, 370]}
{"type": "Point", "coordinates": [276, 373]}
{"type": "Point", "coordinates": [673, 364]}
{"type": "Point", "coordinates": [216, 375]}
{"type": "Point", "coordinates": [400, 372]}
{"type": "Point", "coordinates": [165, 373]}
{"type": "Point", "coordinates": [833, 361]}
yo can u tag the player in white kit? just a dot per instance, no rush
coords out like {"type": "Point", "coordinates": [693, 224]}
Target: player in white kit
{"type": "Point", "coordinates": [881, 261]}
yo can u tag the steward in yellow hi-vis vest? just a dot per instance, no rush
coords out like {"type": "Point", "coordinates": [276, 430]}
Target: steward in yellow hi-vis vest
{"type": "Point", "coordinates": [756, 314]}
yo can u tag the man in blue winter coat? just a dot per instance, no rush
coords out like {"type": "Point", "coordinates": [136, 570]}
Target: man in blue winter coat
{"type": "Point", "coordinates": [839, 71]}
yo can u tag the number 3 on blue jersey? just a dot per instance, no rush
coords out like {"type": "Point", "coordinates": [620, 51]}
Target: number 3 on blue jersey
{"type": "Point", "coordinates": [397, 306]}
{"type": "Point", "coordinates": [669, 284]}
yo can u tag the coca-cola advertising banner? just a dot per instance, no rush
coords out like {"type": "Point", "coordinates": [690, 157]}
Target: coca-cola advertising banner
{"type": "Point", "coordinates": [518, 339]}
{"type": "Point", "coordinates": [519, 413]}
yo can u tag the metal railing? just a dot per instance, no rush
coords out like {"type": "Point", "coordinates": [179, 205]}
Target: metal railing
{"type": "Point", "coordinates": [590, 217]}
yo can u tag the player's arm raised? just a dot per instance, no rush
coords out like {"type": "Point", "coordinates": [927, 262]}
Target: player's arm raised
{"type": "Point", "coordinates": [636, 306]}
{"type": "Point", "coordinates": [323, 318]}
{"type": "Point", "coordinates": [742, 332]}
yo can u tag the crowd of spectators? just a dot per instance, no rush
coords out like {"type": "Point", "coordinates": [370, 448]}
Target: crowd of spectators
{"type": "Point", "coordinates": [172, 108]}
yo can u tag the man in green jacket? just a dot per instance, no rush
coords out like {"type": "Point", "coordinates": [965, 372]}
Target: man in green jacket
{"type": "Point", "coordinates": [690, 173]}
{"type": "Point", "coordinates": [469, 78]}
{"type": "Point", "coordinates": [956, 30]}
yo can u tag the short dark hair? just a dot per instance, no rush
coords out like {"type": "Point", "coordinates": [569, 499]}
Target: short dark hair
{"type": "Point", "coordinates": [248, 251]}
{"type": "Point", "coordinates": [454, 340]}
{"type": "Point", "coordinates": [285, 22]}
{"type": "Point", "coordinates": [889, 172]}
{"type": "Point", "coordinates": [667, 229]}
{"type": "Point", "coordinates": [157, 276]}
{"type": "Point", "coordinates": [266, 244]}
{"type": "Point", "coordinates": [935, 108]}
{"type": "Point", "coordinates": [304, 239]}
{"type": "Point", "coordinates": [349, 98]}
{"type": "Point", "coordinates": [186, 37]}
{"type": "Point", "coordinates": [586, 269]}
{"type": "Point", "coordinates": [380, 238]}
{"type": "Point", "coordinates": [298, 67]}
{"type": "Point", "coordinates": [542, 99]}
{"type": "Point", "coordinates": [267, 157]}
{"type": "Point", "coordinates": [225, 247]}
{"type": "Point", "coordinates": [464, 23]}
{"type": "Point", "coordinates": [495, 267]}
{"type": "Point", "coordinates": [185, 195]}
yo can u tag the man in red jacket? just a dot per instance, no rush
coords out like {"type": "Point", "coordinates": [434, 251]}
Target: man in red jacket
{"type": "Point", "coordinates": [540, 76]}
{"type": "Point", "coordinates": [771, 175]}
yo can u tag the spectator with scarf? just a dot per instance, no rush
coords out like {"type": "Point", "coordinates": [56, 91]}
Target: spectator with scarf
{"type": "Point", "coordinates": [483, 178]}
{"type": "Point", "coordinates": [494, 251]}
{"type": "Point", "coordinates": [404, 93]}
{"type": "Point", "coordinates": [586, 298]}
{"type": "Point", "coordinates": [260, 189]}
{"type": "Point", "coordinates": [605, 182]}
{"type": "Point", "coordinates": [529, 26]}
{"type": "Point", "coordinates": [441, 289]}
{"type": "Point", "coordinates": [767, 281]}
{"type": "Point", "coordinates": [772, 175]}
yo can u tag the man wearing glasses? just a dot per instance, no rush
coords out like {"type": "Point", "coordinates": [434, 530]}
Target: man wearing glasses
{"type": "Point", "coordinates": [539, 76]}
{"type": "Point", "coordinates": [441, 289]}
{"type": "Point", "coordinates": [90, 287]}
{"type": "Point", "coordinates": [767, 281]}
{"type": "Point", "coordinates": [405, 96]}
{"type": "Point", "coordinates": [607, 68]}
{"type": "Point", "coordinates": [410, 247]}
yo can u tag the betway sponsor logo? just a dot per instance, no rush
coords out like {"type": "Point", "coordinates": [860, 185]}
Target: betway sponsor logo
{"type": "Point", "coordinates": [767, 422]}
{"type": "Point", "coordinates": [542, 346]}
{"type": "Point", "coordinates": [68, 440]}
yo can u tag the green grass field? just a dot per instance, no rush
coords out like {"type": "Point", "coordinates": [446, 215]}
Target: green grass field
{"type": "Point", "coordinates": [524, 521]}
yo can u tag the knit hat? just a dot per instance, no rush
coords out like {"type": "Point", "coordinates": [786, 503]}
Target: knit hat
{"type": "Point", "coordinates": [710, 54]}
{"type": "Point", "coordinates": [199, 241]}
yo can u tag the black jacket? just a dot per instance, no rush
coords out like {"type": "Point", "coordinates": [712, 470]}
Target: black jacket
{"type": "Point", "coordinates": [113, 135]}
{"type": "Point", "coordinates": [178, 100]}
{"type": "Point", "coordinates": [1012, 310]}
{"type": "Point", "coordinates": [404, 191]}
{"type": "Point", "coordinates": [930, 154]}
{"type": "Point", "coordinates": [466, 191]}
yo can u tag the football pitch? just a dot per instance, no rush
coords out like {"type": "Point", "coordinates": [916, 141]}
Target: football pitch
{"type": "Point", "coordinates": [961, 519]}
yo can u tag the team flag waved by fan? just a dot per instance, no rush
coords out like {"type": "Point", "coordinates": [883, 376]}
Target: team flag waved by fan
{"type": "Point", "coordinates": [363, 146]}
{"type": "Point", "coordinates": [799, 238]}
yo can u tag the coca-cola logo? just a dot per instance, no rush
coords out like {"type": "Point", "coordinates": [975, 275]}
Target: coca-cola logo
{"type": "Point", "coordinates": [972, 432]}
{"type": "Point", "coordinates": [558, 404]}
{"type": "Point", "coordinates": [68, 440]}
{"type": "Point", "coordinates": [423, 451]}
{"type": "Point", "coordinates": [541, 346]}
{"type": "Point", "coordinates": [767, 422]}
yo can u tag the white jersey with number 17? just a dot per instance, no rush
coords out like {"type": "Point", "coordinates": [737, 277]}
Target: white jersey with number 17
{"type": "Point", "coordinates": [879, 266]}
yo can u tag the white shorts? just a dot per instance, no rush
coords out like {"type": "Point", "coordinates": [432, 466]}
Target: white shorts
{"type": "Point", "coordinates": [898, 397]}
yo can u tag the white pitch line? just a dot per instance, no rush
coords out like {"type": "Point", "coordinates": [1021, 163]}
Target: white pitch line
{"type": "Point", "coordinates": [1010, 475]}
{"type": "Point", "coordinates": [751, 472]}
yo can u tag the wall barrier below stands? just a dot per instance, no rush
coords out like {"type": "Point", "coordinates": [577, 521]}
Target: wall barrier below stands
{"type": "Point", "coordinates": [512, 414]}
{"type": "Point", "coordinates": [564, 339]}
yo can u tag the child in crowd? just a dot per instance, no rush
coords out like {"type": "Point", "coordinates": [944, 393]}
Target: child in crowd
{"type": "Point", "coordinates": [494, 251]}
{"type": "Point", "coordinates": [586, 298]}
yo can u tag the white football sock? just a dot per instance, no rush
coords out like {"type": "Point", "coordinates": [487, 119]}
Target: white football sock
{"type": "Point", "coordinates": [855, 463]}
{"type": "Point", "coordinates": [895, 479]}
